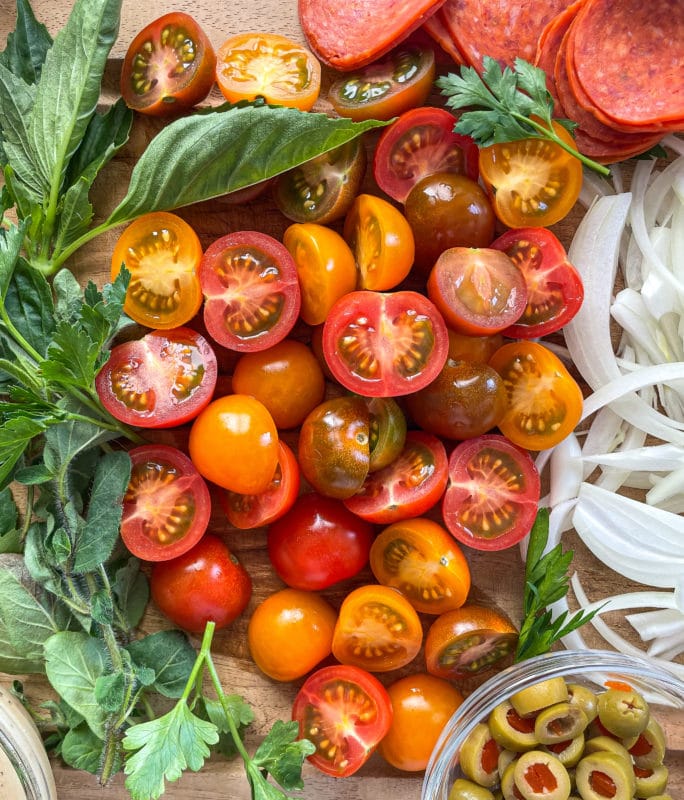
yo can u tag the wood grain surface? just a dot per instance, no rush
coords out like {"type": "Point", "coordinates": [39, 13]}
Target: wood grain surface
{"type": "Point", "coordinates": [497, 577]}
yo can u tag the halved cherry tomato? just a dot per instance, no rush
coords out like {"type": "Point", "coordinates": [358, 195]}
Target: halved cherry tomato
{"type": "Point", "coordinates": [411, 485]}
{"type": "Point", "coordinates": [251, 291]}
{"type": "Point", "coordinates": [385, 344]}
{"type": "Point", "coordinates": [283, 72]}
{"type": "Point", "coordinates": [377, 629]}
{"type": "Point", "coordinates": [421, 142]}
{"type": "Point", "coordinates": [168, 67]}
{"type": "Point", "coordinates": [166, 507]}
{"type": "Point", "coordinates": [322, 189]}
{"type": "Point", "coordinates": [554, 287]}
{"type": "Point", "coordinates": [247, 511]}
{"type": "Point", "coordinates": [162, 253]}
{"type": "Point", "coordinates": [387, 431]}
{"type": "Point", "coordinates": [387, 87]}
{"type": "Point", "coordinates": [532, 182]}
{"type": "Point", "coordinates": [544, 400]}
{"type": "Point", "coordinates": [491, 500]}
{"type": "Point", "coordinates": [478, 290]}
{"type": "Point", "coordinates": [162, 380]}
{"type": "Point", "coordinates": [420, 559]}
{"type": "Point", "coordinates": [381, 240]}
{"type": "Point", "coordinates": [325, 266]}
{"type": "Point", "coordinates": [345, 712]}
{"type": "Point", "coordinates": [468, 641]}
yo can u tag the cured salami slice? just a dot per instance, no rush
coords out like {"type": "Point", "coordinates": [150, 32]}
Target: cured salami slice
{"type": "Point", "coordinates": [347, 34]}
{"type": "Point", "coordinates": [610, 153]}
{"type": "Point", "coordinates": [437, 29]}
{"type": "Point", "coordinates": [548, 46]}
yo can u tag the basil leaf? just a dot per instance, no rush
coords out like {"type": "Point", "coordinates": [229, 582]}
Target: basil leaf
{"type": "Point", "coordinates": [208, 155]}
{"type": "Point", "coordinates": [27, 46]}
{"type": "Point", "coordinates": [170, 655]}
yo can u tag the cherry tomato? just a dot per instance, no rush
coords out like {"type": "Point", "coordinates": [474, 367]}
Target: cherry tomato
{"type": "Point", "coordinates": [544, 400]}
{"type": "Point", "coordinates": [286, 378]}
{"type": "Point", "coordinates": [247, 511]}
{"type": "Point", "coordinates": [377, 629]}
{"type": "Point", "coordinates": [290, 632]}
{"type": "Point", "coordinates": [162, 253]}
{"type": "Point", "coordinates": [234, 444]}
{"type": "Point", "coordinates": [345, 712]}
{"type": "Point", "coordinates": [251, 291]}
{"type": "Point", "coordinates": [554, 287]}
{"type": "Point", "coordinates": [385, 344]}
{"type": "Point", "coordinates": [479, 290]}
{"type": "Point", "coordinates": [318, 543]}
{"type": "Point", "coordinates": [387, 87]}
{"type": "Point", "coordinates": [323, 189]}
{"type": "Point", "coordinates": [412, 484]}
{"type": "Point", "coordinates": [162, 380]}
{"type": "Point", "coordinates": [468, 641]}
{"type": "Point", "coordinates": [421, 142]}
{"type": "Point", "coordinates": [325, 266]}
{"type": "Point", "coordinates": [283, 72]}
{"type": "Point", "coordinates": [206, 583]}
{"type": "Point", "coordinates": [381, 240]}
{"type": "Point", "coordinates": [475, 349]}
{"type": "Point", "coordinates": [420, 559]}
{"type": "Point", "coordinates": [168, 67]}
{"type": "Point", "coordinates": [466, 399]}
{"type": "Point", "coordinates": [491, 500]}
{"type": "Point", "coordinates": [532, 182]}
{"type": "Point", "coordinates": [387, 431]}
{"type": "Point", "coordinates": [422, 705]}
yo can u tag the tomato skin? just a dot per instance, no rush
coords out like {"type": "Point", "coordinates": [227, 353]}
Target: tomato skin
{"type": "Point", "coordinates": [251, 291]}
{"type": "Point", "coordinates": [387, 87]}
{"type": "Point", "coordinates": [540, 390]}
{"type": "Point", "coordinates": [377, 629]}
{"type": "Point", "coordinates": [347, 707]}
{"type": "Point", "coordinates": [234, 444]}
{"type": "Point", "coordinates": [166, 508]}
{"type": "Point", "coordinates": [384, 344]}
{"type": "Point", "coordinates": [206, 583]}
{"type": "Point", "coordinates": [387, 431]}
{"type": "Point", "coordinates": [283, 72]}
{"type": "Point", "coordinates": [422, 705]}
{"type": "Point", "coordinates": [248, 511]}
{"type": "Point", "coordinates": [318, 543]}
{"type": "Point", "coordinates": [475, 349]}
{"type": "Point", "coordinates": [493, 493]}
{"type": "Point", "coordinates": [160, 381]}
{"type": "Point", "coordinates": [420, 559]}
{"type": "Point", "coordinates": [290, 632]}
{"type": "Point", "coordinates": [177, 61]}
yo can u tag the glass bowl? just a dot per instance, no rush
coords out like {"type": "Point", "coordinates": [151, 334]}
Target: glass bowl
{"type": "Point", "coordinates": [663, 691]}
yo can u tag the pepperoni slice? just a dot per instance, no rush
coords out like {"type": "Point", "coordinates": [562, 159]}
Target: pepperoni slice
{"type": "Point", "coordinates": [438, 30]}
{"type": "Point", "coordinates": [548, 45]}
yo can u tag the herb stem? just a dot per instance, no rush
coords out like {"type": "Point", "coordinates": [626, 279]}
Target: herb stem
{"type": "Point", "coordinates": [59, 258]}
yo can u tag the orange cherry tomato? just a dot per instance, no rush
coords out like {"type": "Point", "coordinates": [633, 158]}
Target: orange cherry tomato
{"type": "Point", "coordinates": [325, 266]}
{"type": "Point", "coordinates": [377, 629]}
{"type": "Point", "coordinates": [162, 253]}
{"type": "Point", "coordinates": [473, 348]}
{"type": "Point", "coordinates": [382, 241]}
{"type": "Point", "coordinates": [544, 400]}
{"type": "Point", "coordinates": [290, 632]}
{"type": "Point", "coordinates": [531, 182]}
{"type": "Point", "coordinates": [234, 443]}
{"type": "Point", "coordinates": [422, 706]}
{"type": "Point", "coordinates": [282, 72]}
{"type": "Point", "coordinates": [420, 559]}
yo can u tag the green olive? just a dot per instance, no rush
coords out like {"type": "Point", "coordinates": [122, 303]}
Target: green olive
{"type": "Point", "coordinates": [479, 756]}
{"type": "Point", "coordinates": [649, 749]}
{"type": "Point", "coordinates": [505, 758]}
{"type": "Point", "coordinates": [584, 698]}
{"type": "Point", "coordinates": [623, 713]}
{"type": "Point", "coordinates": [560, 722]}
{"type": "Point", "coordinates": [569, 752]}
{"type": "Point", "coordinates": [660, 797]}
{"type": "Point", "coordinates": [604, 744]}
{"type": "Point", "coordinates": [510, 730]}
{"type": "Point", "coordinates": [508, 787]}
{"type": "Point", "coordinates": [604, 775]}
{"type": "Point", "coordinates": [534, 698]}
{"type": "Point", "coordinates": [467, 790]}
{"type": "Point", "coordinates": [540, 775]}
{"type": "Point", "coordinates": [650, 782]}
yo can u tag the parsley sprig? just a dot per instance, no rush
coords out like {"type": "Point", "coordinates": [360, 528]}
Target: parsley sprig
{"type": "Point", "coordinates": [507, 105]}
{"type": "Point", "coordinates": [546, 581]}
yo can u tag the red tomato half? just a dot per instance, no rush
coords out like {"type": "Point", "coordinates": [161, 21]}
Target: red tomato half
{"type": "Point", "coordinates": [385, 344]}
{"type": "Point", "coordinates": [345, 711]}
{"type": "Point", "coordinates": [252, 297]}
{"type": "Point", "coordinates": [493, 492]}
{"type": "Point", "coordinates": [162, 380]}
{"type": "Point", "coordinates": [421, 142]}
{"type": "Point", "coordinates": [554, 287]}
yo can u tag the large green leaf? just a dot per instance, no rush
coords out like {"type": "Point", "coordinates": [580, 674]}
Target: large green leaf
{"type": "Point", "coordinates": [27, 622]}
{"type": "Point", "coordinates": [170, 655]}
{"type": "Point", "coordinates": [27, 45]}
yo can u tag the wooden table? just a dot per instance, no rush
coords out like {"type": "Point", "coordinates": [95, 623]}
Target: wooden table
{"type": "Point", "coordinates": [498, 577]}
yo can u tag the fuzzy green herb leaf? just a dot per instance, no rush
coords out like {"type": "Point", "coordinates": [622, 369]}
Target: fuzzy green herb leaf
{"type": "Point", "coordinates": [170, 655]}
{"type": "Point", "coordinates": [282, 753]}
{"type": "Point", "coordinates": [81, 749]}
{"type": "Point", "coordinates": [27, 46]}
